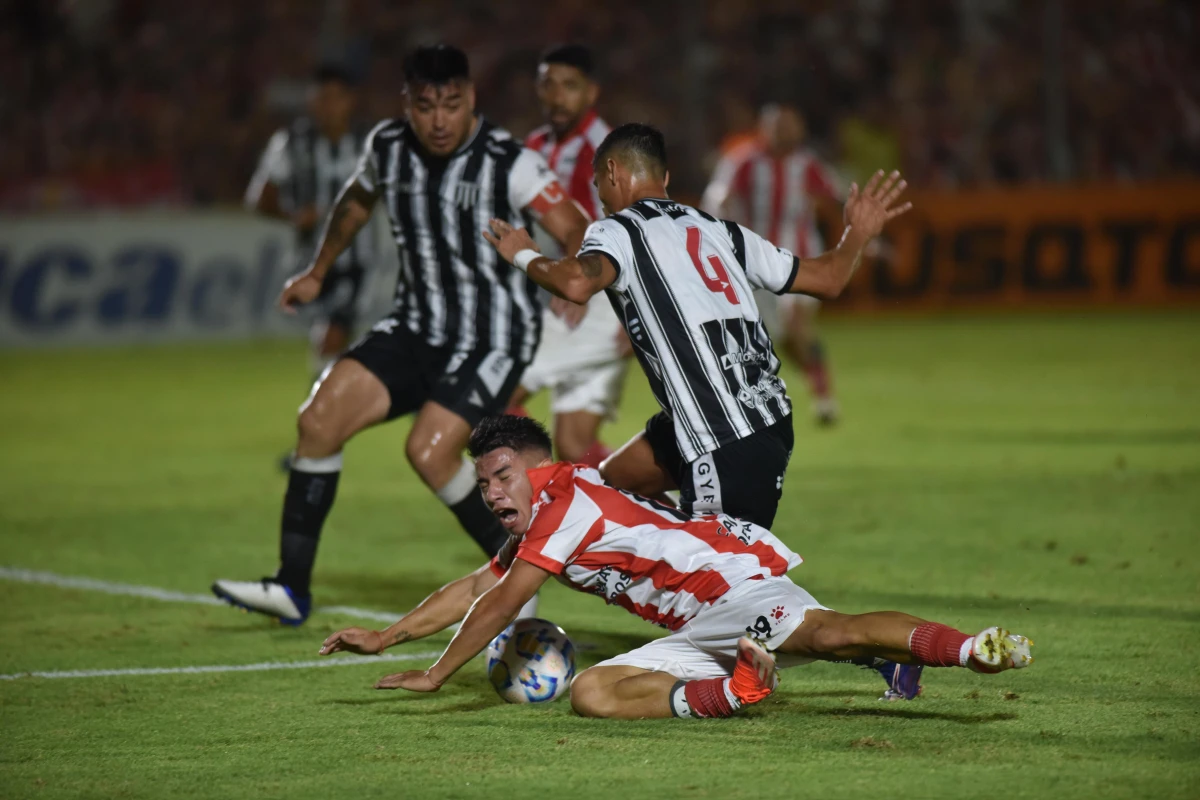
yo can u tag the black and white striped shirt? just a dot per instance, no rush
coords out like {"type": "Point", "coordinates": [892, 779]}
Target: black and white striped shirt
{"type": "Point", "coordinates": [684, 292]}
{"type": "Point", "coordinates": [310, 170]}
{"type": "Point", "coordinates": [454, 289]}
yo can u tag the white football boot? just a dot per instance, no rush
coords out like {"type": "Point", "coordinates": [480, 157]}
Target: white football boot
{"type": "Point", "coordinates": [995, 650]}
{"type": "Point", "coordinates": [266, 596]}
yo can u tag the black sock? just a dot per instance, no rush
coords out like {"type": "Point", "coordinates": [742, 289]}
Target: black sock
{"type": "Point", "coordinates": [479, 521]}
{"type": "Point", "coordinates": [305, 506]}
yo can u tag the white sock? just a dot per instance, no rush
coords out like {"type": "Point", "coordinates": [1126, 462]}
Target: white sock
{"type": "Point", "coordinates": [460, 486]}
{"type": "Point", "coordinates": [733, 701]}
{"type": "Point", "coordinates": [318, 466]}
{"type": "Point", "coordinates": [964, 652]}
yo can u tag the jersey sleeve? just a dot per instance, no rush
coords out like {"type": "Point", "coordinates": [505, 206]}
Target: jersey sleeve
{"type": "Point", "coordinates": [529, 177]}
{"type": "Point", "coordinates": [366, 174]}
{"type": "Point", "coordinates": [561, 528]}
{"type": "Point", "coordinates": [608, 238]}
{"type": "Point", "coordinates": [767, 266]}
{"type": "Point", "coordinates": [274, 166]}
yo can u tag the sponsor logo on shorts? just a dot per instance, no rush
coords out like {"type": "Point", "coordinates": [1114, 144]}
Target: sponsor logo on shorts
{"type": "Point", "coordinates": [386, 325]}
{"type": "Point", "coordinates": [760, 631]}
{"type": "Point", "coordinates": [779, 613]}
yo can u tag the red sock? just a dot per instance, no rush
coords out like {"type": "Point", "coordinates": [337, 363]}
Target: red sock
{"type": "Point", "coordinates": [516, 411]}
{"type": "Point", "coordinates": [937, 645]}
{"type": "Point", "coordinates": [595, 454]}
{"type": "Point", "coordinates": [818, 372]}
{"type": "Point", "coordinates": [707, 697]}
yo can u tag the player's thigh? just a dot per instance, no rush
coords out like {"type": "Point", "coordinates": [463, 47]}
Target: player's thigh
{"type": "Point", "coordinates": [347, 398]}
{"type": "Point", "coordinates": [574, 433]}
{"type": "Point", "coordinates": [636, 468]}
{"type": "Point", "coordinates": [436, 442]}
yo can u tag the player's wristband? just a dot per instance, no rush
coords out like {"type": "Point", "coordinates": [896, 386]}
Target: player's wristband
{"type": "Point", "coordinates": [524, 257]}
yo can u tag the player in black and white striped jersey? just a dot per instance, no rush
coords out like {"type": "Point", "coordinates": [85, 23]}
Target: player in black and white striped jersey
{"type": "Point", "coordinates": [298, 178]}
{"type": "Point", "coordinates": [682, 283]}
{"type": "Point", "coordinates": [464, 326]}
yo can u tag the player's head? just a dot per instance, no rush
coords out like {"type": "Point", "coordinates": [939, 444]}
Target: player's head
{"type": "Point", "coordinates": [782, 127]}
{"type": "Point", "coordinates": [440, 97]}
{"type": "Point", "coordinates": [631, 163]}
{"type": "Point", "coordinates": [566, 85]}
{"type": "Point", "coordinates": [331, 98]}
{"type": "Point", "coordinates": [504, 447]}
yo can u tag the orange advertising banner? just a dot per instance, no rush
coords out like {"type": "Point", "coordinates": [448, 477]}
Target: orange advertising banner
{"type": "Point", "coordinates": [1051, 246]}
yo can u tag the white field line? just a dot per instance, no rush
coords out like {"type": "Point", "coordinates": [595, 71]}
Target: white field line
{"type": "Point", "coordinates": [347, 661]}
{"type": "Point", "coordinates": [163, 595]}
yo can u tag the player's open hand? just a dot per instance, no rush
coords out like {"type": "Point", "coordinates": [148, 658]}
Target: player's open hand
{"type": "Point", "coordinates": [414, 681]}
{"type": "Point", "coordinates": [869, 210]}
{"type": "Point", "coordinates": [299, 290]}
{"type": "Point", "coordinates": [508, 240]}
{"type": "Point", "coordinates": [353, 640]}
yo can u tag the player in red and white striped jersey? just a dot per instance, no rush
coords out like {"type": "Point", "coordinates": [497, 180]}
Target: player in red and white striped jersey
{"type": "Point", "coordinates": [717, 583]}
{"type": "Point", "coordinates": [773, 186]}
{"type": "Point", "coordinates": [582, 356]}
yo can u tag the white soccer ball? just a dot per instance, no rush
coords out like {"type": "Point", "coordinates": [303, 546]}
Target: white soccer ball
{"type": "Point", "coordinates": [531, 661]}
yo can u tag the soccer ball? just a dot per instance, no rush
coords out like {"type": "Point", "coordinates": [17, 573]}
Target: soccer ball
{"type": "Point", "coordinates": [531, 661]}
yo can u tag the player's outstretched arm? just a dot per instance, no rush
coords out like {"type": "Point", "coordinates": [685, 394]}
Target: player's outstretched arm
{"type": "Point", "coordinates": [350, 213]}
{"type": "Point", "coordinates": [490, 614]}
{"type": "Point", "coordinates": [572, 278]}
{"type": "Point", "coordinates": [437, 612]}
{"type": "Point", "coordinates": [865, 213]}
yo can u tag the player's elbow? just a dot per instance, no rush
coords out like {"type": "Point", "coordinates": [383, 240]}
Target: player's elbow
{"type": "Point", "coordinates": [577, 290]}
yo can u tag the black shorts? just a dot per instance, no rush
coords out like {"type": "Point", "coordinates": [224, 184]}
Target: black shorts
{"type": "Point", "coordinates": [472, 384]}
{"type": "Point", "coordinates": [743, 479]}
{"type": "Point", "coordinates": [340, 299]}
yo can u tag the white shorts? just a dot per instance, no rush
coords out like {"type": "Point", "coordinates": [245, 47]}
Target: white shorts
{"type": "Point", "coordinates": [769, 610]}
{"type": "Point", "coordinates": [776, 309]}
{"type": "Point", "coordinates": [582, 368]}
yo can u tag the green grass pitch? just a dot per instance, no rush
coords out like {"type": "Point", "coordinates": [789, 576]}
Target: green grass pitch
{"type": "Point", "coordinates": [1039, 472]}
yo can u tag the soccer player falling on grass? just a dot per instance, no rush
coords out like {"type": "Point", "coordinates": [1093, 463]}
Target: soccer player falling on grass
{"type": "Point", "coordinates": [719, 584]}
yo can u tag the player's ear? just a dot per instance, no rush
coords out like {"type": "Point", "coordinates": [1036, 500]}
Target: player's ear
{"type": "Point", "coordinates": [593, 92]}
{"type": "Point", "coordinates": [470, 93]}
{"type": "Point", "coordinates": [666, 178]}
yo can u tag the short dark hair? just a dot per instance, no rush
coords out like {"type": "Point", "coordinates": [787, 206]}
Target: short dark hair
{"type": "Point", "coordinates": [331, 71]}
{"type": "Point", "coordinates": [573, 55]}
{"type": "Point", "coordinates": [636, 142]}
{"type": "Point", "coordinates": [436, 65]}
{"type": "Point", "coordinates": [506, 430]}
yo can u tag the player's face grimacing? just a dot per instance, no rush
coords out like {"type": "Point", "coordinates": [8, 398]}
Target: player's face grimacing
{"type": "Point", "coordinates": [565, 94]}
{"type": "Point", "coordinates": [441, 116]}
{"type": "Point", "coordinates": [502, 477]}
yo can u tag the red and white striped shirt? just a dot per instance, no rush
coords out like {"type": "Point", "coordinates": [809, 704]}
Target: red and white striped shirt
{"type": "Point", "coordinates": [774, 197]}
{"type": "Point", "coordinates": [571, 157]}
{"type": "Point", "coordinates": [651, 560]}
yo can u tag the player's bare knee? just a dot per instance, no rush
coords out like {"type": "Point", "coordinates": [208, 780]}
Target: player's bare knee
{"type": "Point", "coordinates": [317, 430]}
{"type": "Point", "coordinates": [591, 697]}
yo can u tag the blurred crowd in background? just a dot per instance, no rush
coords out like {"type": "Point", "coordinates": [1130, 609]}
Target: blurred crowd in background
{"type": "Point", "coordinates": [128, 102]}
